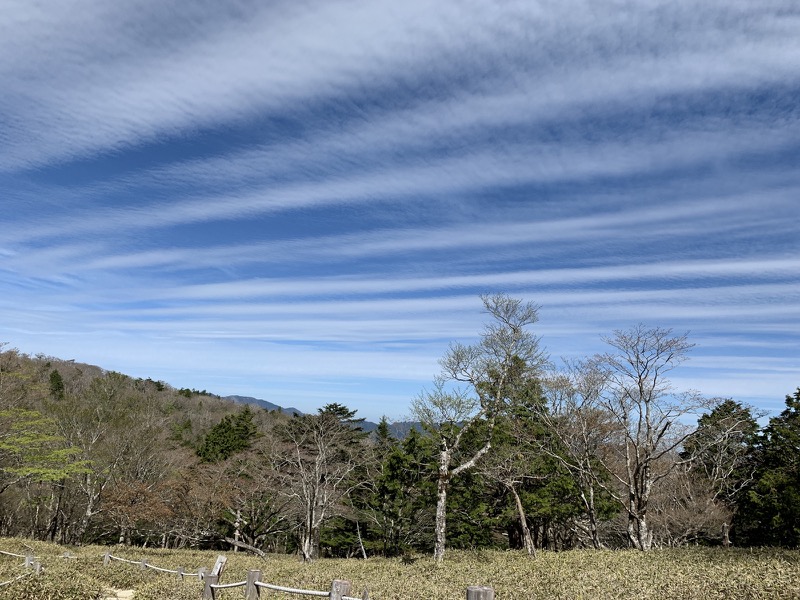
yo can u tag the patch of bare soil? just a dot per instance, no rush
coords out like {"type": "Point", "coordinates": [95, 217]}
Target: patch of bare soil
{"type": "Point", "coordinates": [112, 594]}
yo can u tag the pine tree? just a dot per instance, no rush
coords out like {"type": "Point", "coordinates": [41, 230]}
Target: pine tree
{"type": "Point", "coordinates": [769, 511]}
{"type": "Point", "coordinates": [56, 385]}
{"type": "Point", "coordinates": [230, 436]}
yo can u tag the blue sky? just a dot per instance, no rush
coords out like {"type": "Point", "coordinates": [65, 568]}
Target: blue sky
{"type": "Point", "coordinates": [302, 201]}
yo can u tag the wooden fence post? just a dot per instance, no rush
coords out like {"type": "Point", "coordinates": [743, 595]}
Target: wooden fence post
{"type": "Point", "coordinates": [208, 591]}
{"type": "Point", "coordinates": [219, 566]}
{"type": "Point", "coordinates": [201, 573]}
{"type": "Point", "coordinates": [251, 590]}
{"type": "Point", "coordinates": [29, 561]}
{"type": "Point", "coordinates": [339, 588]}
{"type": "Point", "coordinates": [106, 559]}
{"type": "Point", "coordinates": [180, 572]}
{"type": "Point", "coordinates": [480, 592]}
{"type": "Point", "coordinates": [143, 565]}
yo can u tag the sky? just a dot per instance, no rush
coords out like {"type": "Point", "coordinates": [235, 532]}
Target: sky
{"type": "Point", "coordinates": [303, 201]}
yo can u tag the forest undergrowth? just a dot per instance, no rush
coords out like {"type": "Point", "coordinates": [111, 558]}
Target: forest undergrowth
{"type": "Point", "coordinates": [686, 573]}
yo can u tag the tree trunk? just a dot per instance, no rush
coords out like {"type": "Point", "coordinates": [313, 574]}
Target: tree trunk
{"type": "Point", "coordinates": [591, 512]}
{"type": "Point", "coordinates": [309, 542]}
{"type": "Point", "coordinates": [523, 522]}
{"type": "Point", "coordinates": [239, 544]}
{"type": "Point", "coordinates": [645, 534]}
{"type": "Point", "coordinates": [441, 506]}
{"type": "Point", "coordinates": [307, 545]}
{"type": "Point", "coordinates": [87, 515]}
{"type": "Point", "coordinates": [361, 541]}
{"type": "Point", "coordinates": [639, 534]}
{"type": "Point", "coordinates": [55, 510]}
{"type": "Point", "coordinates": [237, 523]}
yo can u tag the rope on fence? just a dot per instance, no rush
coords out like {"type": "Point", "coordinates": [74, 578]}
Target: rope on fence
{"type": "Point", "coordinates": [226, 586]}
{"type": "Point", "coordinates": [125, 560]}
{"type": "Point", "coordinates": [180, 572]}
{"type": "Point", "coordinates": [339, 588]}
{"type": "Point", "coordinates": [10, 581]}
{"type": "Point", "coordinates": [162, 570]}
{"type": "Point", "coordinates": [288, 590]}
{"type": "Point", "coordinates": [212, 584]}
{"type": "Point", "coordinates": [30, 563]}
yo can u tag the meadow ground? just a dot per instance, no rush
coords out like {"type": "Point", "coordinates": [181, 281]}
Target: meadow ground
{"type": "Point", "coordinates": [671, 574]}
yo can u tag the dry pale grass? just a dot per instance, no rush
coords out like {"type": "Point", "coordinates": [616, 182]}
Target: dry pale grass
{"type": "Point", "coordinates": [687, 573]}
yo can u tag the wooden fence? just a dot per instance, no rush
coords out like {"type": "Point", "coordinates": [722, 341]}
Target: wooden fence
{"type": "Point", "coordinates": [253, 585]}
{"type": "Point", "coordinates": [31, 566]}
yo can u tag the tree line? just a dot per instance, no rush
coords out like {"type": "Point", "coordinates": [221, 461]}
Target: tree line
{"type": "Point", "coordinates": [509, 452]}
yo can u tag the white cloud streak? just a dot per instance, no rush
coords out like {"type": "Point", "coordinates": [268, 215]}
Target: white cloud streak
{"type": "Point", "coordinates": [232, 68]}
{"type": "Point", "coordinates": [317, 191]}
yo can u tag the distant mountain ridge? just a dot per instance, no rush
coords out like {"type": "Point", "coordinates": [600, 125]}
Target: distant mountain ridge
{"type": "Point", "coordinates": [398, 430]}
{"type": "Point", "coordinates": [263, 404]}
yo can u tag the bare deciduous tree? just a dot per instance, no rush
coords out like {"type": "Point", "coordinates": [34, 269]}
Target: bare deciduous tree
{"type": "Point", "coordinates": [314, 464]}
{"type": "Point", "coordinates": [684, 509]}
{"type": "Point", "coordinates": [650, 418]}
{"type": "Point", "coordinates": [579, 428]}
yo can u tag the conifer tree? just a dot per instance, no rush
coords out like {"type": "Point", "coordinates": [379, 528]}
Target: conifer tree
{"type": "Point", "coordinates": [769, 510]}
{"type": "Point", "coordinates": [228, 437]}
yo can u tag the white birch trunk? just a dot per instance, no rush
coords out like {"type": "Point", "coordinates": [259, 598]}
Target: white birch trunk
{"type": "Point", "coordinates": [441, 505]}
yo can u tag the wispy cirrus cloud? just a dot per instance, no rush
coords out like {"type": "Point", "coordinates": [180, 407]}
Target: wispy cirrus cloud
{"type": "Point", "coordinates": [217, 65]}
{"type": "Point", "coordinates": [307, 197]}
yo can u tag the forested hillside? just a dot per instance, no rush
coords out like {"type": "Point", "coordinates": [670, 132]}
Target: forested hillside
{"type": "Point", "coordinates": [511, 455]}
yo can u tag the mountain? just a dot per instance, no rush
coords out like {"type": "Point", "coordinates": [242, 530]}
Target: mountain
{"type": "Point", "coordinates": [263, 404]}
{"type": "Point", "coordinates": [399, 429]}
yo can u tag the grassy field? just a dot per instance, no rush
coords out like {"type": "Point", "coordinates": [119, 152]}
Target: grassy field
{"type": "Point", "coordinates": [689, 573]}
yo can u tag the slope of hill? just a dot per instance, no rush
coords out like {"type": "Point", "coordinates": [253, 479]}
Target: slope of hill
{"type": "Point", "coordinates": [265, 404]}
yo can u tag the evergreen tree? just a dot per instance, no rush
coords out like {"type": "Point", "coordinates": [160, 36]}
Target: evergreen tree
{"type": "Point", "coordinates": [769, 511]}
{"type": "Point", "coordinates": [56, 385]}
{"type": "Point", "coordinates": [722, 448]}
{"type": "Point", "coordinates": [400, 503]}
{"type": "Point", "coordinates": [720, 464]}
{"type": "Point", "coordinates": [384, 440]}
{"type": "Point", "coordinates": [230, 436]}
